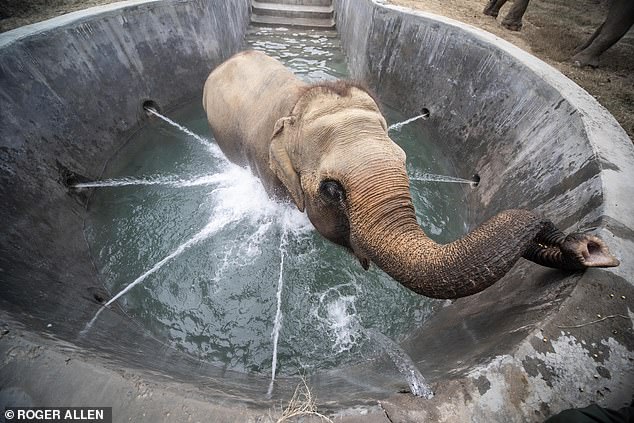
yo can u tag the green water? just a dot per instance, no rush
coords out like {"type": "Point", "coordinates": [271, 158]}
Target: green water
{"type": "Point", "coordinates": [217, 299]}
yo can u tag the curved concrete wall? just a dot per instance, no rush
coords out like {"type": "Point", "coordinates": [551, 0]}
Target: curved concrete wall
{"type": "Point", "coordinates": [538, 141]}
{"type": "Point", "coordinates": [71, 91]}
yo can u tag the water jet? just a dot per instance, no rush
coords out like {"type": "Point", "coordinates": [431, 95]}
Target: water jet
{"type": "Point", "coordinates": [537, 141]}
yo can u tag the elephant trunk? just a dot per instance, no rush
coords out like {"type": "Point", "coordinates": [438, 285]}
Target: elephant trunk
{"type": "Point", "coordinates": [383, 229]}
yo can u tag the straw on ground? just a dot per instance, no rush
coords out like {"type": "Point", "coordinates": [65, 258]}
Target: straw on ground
{"type": "Point", "coordinates": [301, 404]}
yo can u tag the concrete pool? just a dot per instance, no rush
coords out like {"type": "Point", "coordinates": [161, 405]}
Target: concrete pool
{"type": "Point", "coordinates": [537, 342]}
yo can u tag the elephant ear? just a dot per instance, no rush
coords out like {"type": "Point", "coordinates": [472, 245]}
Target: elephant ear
{"type": "Point", "coordinates": [280, 162]}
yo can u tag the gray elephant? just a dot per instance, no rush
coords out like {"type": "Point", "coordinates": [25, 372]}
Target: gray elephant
{"type": "Point", "coordinates": [618, 21]}
{"type": "Point", "coordinates": [326, 147]}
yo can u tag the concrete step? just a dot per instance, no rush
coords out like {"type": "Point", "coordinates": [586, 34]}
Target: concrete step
{"type": "Point", "coordinates": [286, 21]}
{"type": "Point", "coordinates": [300, 2]}
{"type": "Point", "coordinates": [292, 10]}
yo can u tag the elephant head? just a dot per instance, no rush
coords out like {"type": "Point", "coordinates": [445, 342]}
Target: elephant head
{"type": "Point", "coordinates": [334, 157]}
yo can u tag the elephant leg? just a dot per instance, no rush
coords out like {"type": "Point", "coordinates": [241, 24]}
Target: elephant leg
{"type": "Point", "coordinates": [618, 21]}
{"type": "Point", "coordinates": [590, 40]}
{"type": "Point", "coordinates": [493, 7]}
{"type": "Point", "coordinates": [513, 19]}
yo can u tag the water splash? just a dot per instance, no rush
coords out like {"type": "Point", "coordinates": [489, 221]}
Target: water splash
{"type": "Point", "coordinates": [398, 126]}
{"type": "Point", "coordinates": [170, 181]}
{"type": "Point", "coordinates": [293, 224]}
{"type": "Point", "coordinates": [277, 323]}
{"type": "Point", "coordinates": [235, 184]}
{"type": "Point", "coordinates": [430, 177]}
{"type": "Point", "coordinates": [342, 315]}
{"type": "Point", "coordinates": [335, 314]}
{"type": "Point", "coordinates": [417, 384]}
{"type": "Point", "coordinates": [211, 147]}
{"type": "Point", "coordinates": [341, 318]}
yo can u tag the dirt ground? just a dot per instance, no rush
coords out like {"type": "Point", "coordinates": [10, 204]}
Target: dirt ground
{"type": "Point", "coordinates": [16, 13]}
{"type": "Point", "coordinates": [552, 30]}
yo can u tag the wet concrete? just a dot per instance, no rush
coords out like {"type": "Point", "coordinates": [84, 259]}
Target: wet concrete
{"type": "Point", "coordinates": [529, 346]}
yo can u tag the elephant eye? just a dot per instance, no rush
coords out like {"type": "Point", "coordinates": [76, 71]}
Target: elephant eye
{"type": "Point", "coordinates": [332, 191]}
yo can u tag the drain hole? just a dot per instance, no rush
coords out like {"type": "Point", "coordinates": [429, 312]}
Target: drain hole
{"type": "Point", "coordinates": [72, 180]}
{"type": "Point", "coordinates": [424, 113]}
{"type": "Point", "coordinates": [150, 105]}
{"type": "Point", "coordinates": [68, 178]}
{"type": "Point", "coordinates": [99, 295]}
{"type": "Point", "coordinates": [476, 180]}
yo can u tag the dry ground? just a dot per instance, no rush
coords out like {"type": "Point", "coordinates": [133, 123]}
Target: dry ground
{"type": "Point", "coordinates": [16, 13]}
{"type": "Point", "coordinates": [552, 29]}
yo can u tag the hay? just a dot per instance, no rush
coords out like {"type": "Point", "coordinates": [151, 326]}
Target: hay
{"type": "Point", "coordinates": [301, 404]}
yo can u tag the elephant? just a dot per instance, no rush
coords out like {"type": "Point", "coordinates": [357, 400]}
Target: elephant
{"type": "Point", "coordinates": [618, 21]}
{"type": "Point", "coordinates": [325, 147]}
{"type": "Point", "coordinates": [513, 19]}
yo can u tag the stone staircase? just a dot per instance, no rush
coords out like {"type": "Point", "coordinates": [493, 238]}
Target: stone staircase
{"type": "Point", "coordinates": [302, 13]}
